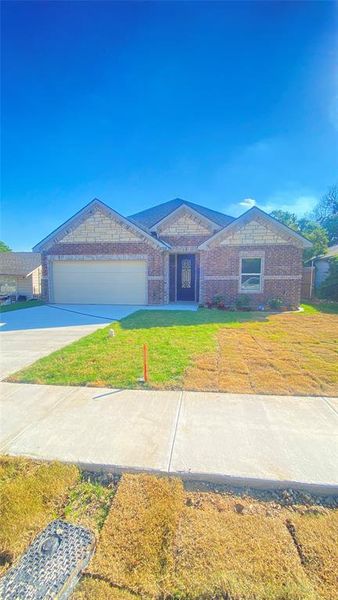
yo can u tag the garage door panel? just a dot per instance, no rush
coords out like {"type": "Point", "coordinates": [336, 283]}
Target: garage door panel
{"type": "Point", "coordinates": [120, 266]}
{"type": "Point", "coordinates": [100, 282]}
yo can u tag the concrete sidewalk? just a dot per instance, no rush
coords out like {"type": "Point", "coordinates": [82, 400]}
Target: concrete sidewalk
{"type": "Point", "coordinates": [262, 441]}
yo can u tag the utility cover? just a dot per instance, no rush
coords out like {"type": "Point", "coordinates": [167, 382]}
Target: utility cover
{"type": "Point", "coordinates": [51, 566]}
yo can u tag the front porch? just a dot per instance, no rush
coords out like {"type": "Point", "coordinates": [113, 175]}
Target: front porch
{"type": "Point", "coordinates": [184, 277]}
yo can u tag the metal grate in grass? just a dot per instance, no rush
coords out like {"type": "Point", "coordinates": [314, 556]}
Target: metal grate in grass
{"type": "Point", "coordinates": [51, 566]}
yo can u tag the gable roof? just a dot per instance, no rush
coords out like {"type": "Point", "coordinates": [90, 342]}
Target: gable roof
{"type": "Point", "coordinates": [331, 252]}
{"type": "Point", "coordinates": [19, 263]}
{"type": "Point", "coordinates": [149, 217]}
{"type": "Point", "coordinates": [86, 209]}
{"type": "Point", "coordinates": [248, 216]}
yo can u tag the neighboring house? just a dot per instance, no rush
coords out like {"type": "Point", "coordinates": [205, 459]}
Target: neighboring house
{"type": "Point", "coordinates": [20, 274]}
{"type": "Point", "coordinates": [322, 265]}
{"type": "Point", "coordinates": [176, 251]}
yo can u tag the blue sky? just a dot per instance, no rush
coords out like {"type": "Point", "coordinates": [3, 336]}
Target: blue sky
{"type": "Point", "coordinates": [221, 103]}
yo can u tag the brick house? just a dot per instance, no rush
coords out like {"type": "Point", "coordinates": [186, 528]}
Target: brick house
{"type": "Point", "coordinates": [174, 252]}
{"type": "Point", "coordinates": [20, 274]}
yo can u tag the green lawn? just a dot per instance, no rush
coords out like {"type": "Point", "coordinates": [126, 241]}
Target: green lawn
{"type": "Point", "coordinates": [208, 349]}
{"type": "Point", "coordinates": [173, 337]}
{"type": "Point", "coordinates": [20, 305]}
{"type": "Point", "coordinates": [321, 307]}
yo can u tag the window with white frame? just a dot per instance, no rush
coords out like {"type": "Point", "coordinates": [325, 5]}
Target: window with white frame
{"type": "Point", "coordinates": [251, 275]}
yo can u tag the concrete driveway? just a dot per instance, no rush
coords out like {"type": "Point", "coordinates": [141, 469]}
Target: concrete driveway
{"type": "Point", "coordinates": [29, 334]}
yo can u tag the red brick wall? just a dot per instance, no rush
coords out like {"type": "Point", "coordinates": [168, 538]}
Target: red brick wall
{"type": "Point", "coordinates": [282, 267]}
{"type": "Point", "coordinates": [281, 273]}
{"type": "Point", "coordinates": [155, 258]}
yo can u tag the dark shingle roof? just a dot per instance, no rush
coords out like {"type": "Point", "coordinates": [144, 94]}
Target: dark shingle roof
{"type": "Point", "coordinates": [19, 263]}
{"type": "Point", "coordinates": [149, 217]}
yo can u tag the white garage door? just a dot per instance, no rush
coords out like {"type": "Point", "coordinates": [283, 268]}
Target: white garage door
{"type": "Point", "coordinates": [100, 282]}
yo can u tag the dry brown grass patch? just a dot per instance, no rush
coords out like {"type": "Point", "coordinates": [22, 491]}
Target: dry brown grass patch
{"type": "Point", "coordinates": [94, 589]}
{"type": "Point", "coordinates": [159, 542]}
{"type": "Point", "coordinates": [135, 548]}
{"type": "Point", "coordinates": [291, 354]}
{"type": "Point", "coordinates": [237, 382]}
{"type": "Point", "coordinates": [236, 548]}
{"type": "Point", "coordinates": [318, 537]}
{"type": "Point", "coordinates": [12, 467]}
{"type": "Point", "coordinates": [31, 495]}
{"type": "Point", "coordinates": [243, 556]}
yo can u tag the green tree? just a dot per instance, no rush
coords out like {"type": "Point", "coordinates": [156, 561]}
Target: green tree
{"type": "Point", "coordinates": [326, 213]}
{"type": "Point", "coordinates": [4, 247]}
{"type": "Point", "coordinates": [311, 230]}
{"type": "Point", "coordinates": [331, 226]}
{"type": "Point", "coordinates": [329, 287]}
{"type": "Point", "coordinates": [316, 234]}
{"type": "Point", "coordinates": [286, 217]}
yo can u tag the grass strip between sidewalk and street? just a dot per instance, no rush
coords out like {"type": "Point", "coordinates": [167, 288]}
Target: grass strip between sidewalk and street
{"type": "Point", "coordinates": [161, 542]}
{"type": "Point", "coordinates": [157, 541]}
{"type": "Point", "coordinates": [32, 494]}
{"type": "Point", "coordinates": [137, 538]}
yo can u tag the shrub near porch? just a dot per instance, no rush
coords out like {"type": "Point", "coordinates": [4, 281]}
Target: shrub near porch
{"type": "Point", "coordinates": [204, 350]}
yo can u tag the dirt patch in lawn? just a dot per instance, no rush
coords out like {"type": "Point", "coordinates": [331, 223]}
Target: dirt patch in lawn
{"type": "Point", "coordinates": [88, 504]}
{"type": "Point", "coordinates": [294, 354]}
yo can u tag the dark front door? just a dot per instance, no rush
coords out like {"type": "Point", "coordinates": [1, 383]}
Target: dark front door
{"type": "Point", "coordinates": [186, 277]}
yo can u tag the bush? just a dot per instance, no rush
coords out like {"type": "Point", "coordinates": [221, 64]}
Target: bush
{"type": "Point", "coordinates": [219, 300]}
{"type": "Point", "coordinates": [276, 303]}
{"type": "Point", "coordinates": [243, 302]}
{"type": "Point", "coordinates": [329, 288]}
